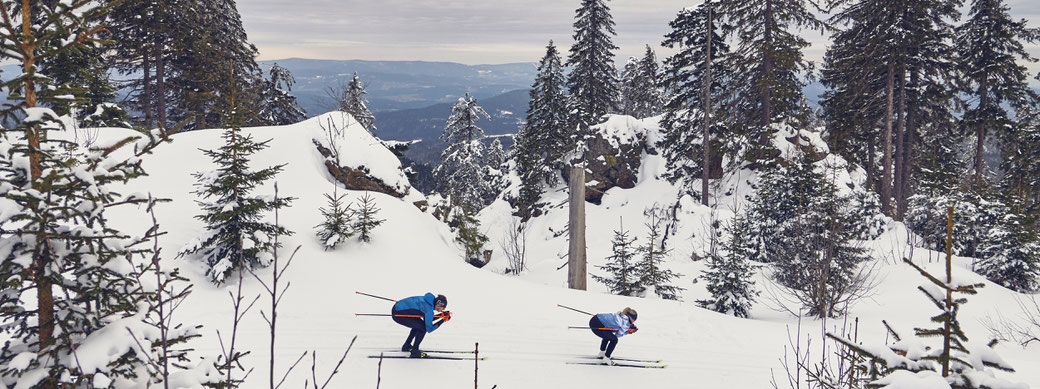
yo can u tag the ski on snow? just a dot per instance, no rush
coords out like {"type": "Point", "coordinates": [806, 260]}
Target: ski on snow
{"type": "Point", "coordinates": [436, 351]}
{"type": "Point", "coordinates": [428, 357]}
{"type": "Point", "coordinates": [619, 365]}
{"type": "Point", "coordinates": [624, 359]}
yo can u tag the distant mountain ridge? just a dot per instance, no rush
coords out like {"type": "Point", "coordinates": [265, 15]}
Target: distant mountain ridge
{"type": "Point", "coordinates": [398, 85]}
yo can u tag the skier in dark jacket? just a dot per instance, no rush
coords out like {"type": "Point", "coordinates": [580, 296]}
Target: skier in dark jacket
{"type": "Point", "coordinates": [610, 327]}
{"type": "Point", "coordinates": [418, 313]}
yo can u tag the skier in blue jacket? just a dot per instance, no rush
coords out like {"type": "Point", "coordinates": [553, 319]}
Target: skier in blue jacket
{"type": "Point", "coordinates": [418, 313]}
{"type": "Point", "coordinates": [610, 327]}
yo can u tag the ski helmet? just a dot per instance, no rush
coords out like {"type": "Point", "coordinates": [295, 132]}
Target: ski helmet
{"type": "Point", "coordinates": [440, 301]}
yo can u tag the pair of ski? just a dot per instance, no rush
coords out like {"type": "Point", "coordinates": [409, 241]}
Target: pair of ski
{"type": "Point", "coordinates": [433, 354]}
{"type": "Point", "coordinates": [623, 362]}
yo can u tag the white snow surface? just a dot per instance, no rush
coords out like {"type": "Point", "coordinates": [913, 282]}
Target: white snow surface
{"type": "Point", "coordinates": [515, 319]}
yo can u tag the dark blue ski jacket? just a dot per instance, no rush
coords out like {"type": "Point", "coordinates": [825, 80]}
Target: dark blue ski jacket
{"type": "Point", "coordinates": [422, 304]}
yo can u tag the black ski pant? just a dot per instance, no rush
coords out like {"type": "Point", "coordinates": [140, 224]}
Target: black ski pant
{"type": "Point", "coordinates": [416, 323]}
{"type": "Point", "coordinates": [610, 339]}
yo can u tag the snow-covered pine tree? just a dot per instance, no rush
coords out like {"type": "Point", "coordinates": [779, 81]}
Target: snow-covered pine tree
{"type": "Point", "coordinates": [338, 224]}
{"type": "Point", "coordinates": [801, 224]}
{"type": "Point", "coordinates": [652, 275]}
{"type": "Point", "coordinates": [461, 176]}
{"type": "Point", "coordinates": [236, 233]}
{"type": "Point", "coordinates": [628, 87]}
{"type": "Point", "coordinates": [69, 276]}
{"type": "Point", "coordinates": [496, 155]}
{"type": "Point", "coordinates": [544, 138]}
{"type": "Point", "coordinates": [354, 102]}
{"type": "Point", "coordinates": [622, 272]}
{"type": "Point", "coordinates": [769, 62]}
{"type": "Point", "coordinates": [941, 354]}
{"type": "Point", "coordinates": [1012, 251]}
{"type": "Point", "coordinates": [279, 107]}
{"type": "Point", "coordinates": [467, 234]}
{"type": "Point", "coordinates": [366, 218]}
{"type": "Point", "coordinates": [989, 44]}
{"type": "Point", "coordinates": [686, 77]}
{"type": "Point", "coordinates": [729, 273]}
{"type": "Point", "coordinates": [593, 81]}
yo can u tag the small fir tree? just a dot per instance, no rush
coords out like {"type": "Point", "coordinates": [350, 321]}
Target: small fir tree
{"type": "Point", "coordinates": [652, 275]}
{"type": "Point", "coordinates": [622, 274]}
{"type": "Point", "coordinates": [366, 218]}
{"type": "Point", "coordinates": [236, 233]}
{"type": "Point", "coordinates": [467, 233]}
{"type": "Point", "coordinates": [338, 224]}
{"type": "Point", "coordinates": [355, 103]}
{"type": "Point", "coordinates": [730, 274]}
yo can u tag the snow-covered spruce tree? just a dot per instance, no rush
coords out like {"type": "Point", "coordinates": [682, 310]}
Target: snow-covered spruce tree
{"type": "Point", "coordinates": [768, 62]}
{"type": "Point", "coordinates": [1012, 251]}
{"type": "Point", "coordinates": [989, 44]}
{"type": "Point", "coordinates": [729, 274]}
{"type": "Point", "coordinates": [461, 176]}
{"type": "Point", "coordinates": [496, 155]}
{"type": "Point", "coordinates": [69, 277]}
{"type": "Point", "coordinates": [354, 102]}
{"type": "Point", "coordinates": [652, 275]}
{"type": "Point", "coordinates": [338, 224]}
{"type": "Point", "coordinates": [236, 233]}
{"type": "Point", "coordinates": [366, 218]}
{"type": "Point", "coordinates": [801, 224]}
{"type": "Point", "coordinates": [622, 274]}
{"type": "Point", "coordinates": [941, 356]}
{"type": "Point", "coordinates": [467, 234]}
{"type": "Point", "coordinates": [544, 139]}
{"type": "Point", "coordinates": [593, 81]}
{"type": "Point", "coordinates": [640, 86]}
{"type": "Point", "coordinates": [628, 87]}
{"type": "Point", "coordinates": [278, 107]}
{"type": "Point", "coordinates": [695, 86]}
{"type": "Point", "coordinates": [1022, 158]}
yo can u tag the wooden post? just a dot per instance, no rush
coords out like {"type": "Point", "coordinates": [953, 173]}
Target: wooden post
{"type": "Point", "coordinates": [949, 292]}
{"type": "Point", "coordinates": [576, 276]}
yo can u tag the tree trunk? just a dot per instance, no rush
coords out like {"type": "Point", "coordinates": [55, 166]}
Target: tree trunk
{"type": "Point", "coordinates": [900, 146]}
{"type": "Point", "coordinates": [980, 132]}
{"type": "Point", "coordinates": [576, 272]}
{"type": "Point", "coordinates": [160, 81]}
{"type": "Point", "coordinates": [886, 160]}
{"type": "Point", "coordinates": [146, 96]}
{"type": "Point", "coordinates": [706, 141]}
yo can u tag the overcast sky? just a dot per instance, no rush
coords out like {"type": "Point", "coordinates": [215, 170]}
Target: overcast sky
{"type": "Point", "coordinates": [465, 31]}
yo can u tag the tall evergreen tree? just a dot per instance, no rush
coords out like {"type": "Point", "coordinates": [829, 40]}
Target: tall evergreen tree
{"type": "Point", "coordinates": [622, 272]}
{"type": "Point", "coordinates": [769, 62]}
{"type": "Point", "coordinates": [988, 45]}
{"type": "Point", "coordinates": [70, 276]}
{"type": "Point", "coordinates": [640, 86]}
{"type": "Point", "coordinates": [354, 102]}
{"type": "Point", "coordinates": [236, 233]}
{"type": "Point", "coordinates": [695, 31]}
{"type": "Point", "coordinates": [543, 140]}
{"type": "Point", "coordinates": [593, 81]}
{"type": "Point", "coordinates": [461, 175]}
{"type": "Point", "coordinates": [277, 106]}
{"type": "Point", "coordinates": [1012, 249]}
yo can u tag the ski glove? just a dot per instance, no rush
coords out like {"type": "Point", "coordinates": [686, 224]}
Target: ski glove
{"type": "Point", "coordinates": [446, 316]}
{"type": "Point", "coordinates": [632, 330]}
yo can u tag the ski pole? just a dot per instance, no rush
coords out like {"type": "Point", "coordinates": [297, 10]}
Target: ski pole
{"type": "Point", "coordinates": [387, 314]}
{"type": "Point", "coordinates": [378, 297]}
{"type": "Point", "coordinates": [575, 310]}
{"type": "Point", "coordinates": [590, 328]}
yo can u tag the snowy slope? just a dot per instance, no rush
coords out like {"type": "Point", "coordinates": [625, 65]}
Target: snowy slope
{"type": "Point", "coordinates": [514, 318]}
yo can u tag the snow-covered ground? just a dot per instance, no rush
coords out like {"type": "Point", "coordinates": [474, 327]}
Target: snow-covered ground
{"type": "Point", "coordinates": [515, 319]}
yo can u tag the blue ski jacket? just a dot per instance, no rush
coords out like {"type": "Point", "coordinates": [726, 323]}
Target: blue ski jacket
{"type": "Point", "coordinates": [422, 304]}
{"type": "Point", "coordinates": [615, 320]}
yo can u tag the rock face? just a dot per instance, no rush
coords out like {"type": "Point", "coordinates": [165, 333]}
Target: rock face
{"type": "Point", "coordinates": [615, 151]}
{"type": "Point", "coordinates": [355, 178]}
